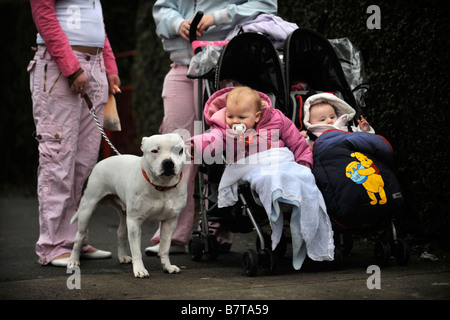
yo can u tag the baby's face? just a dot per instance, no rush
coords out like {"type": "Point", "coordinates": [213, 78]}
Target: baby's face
{"type": "Point", "coordinates": [322, 113]}
{"type": "Point", "coordinates": [243, 111]}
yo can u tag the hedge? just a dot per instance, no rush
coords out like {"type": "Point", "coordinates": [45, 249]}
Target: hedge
{"type": "Point", "coordinates": [406, 60]}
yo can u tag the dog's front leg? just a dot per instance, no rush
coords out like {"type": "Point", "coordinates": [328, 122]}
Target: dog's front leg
{"type": "Point", "coordinates": [167, 229]}
{"type": "Point", "coordinates": [134, 237]}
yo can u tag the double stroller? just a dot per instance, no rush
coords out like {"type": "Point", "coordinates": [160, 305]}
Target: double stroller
{"type": "Point", "coordinates": [250, 59]}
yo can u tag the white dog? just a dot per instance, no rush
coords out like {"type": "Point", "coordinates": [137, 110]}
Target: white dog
{"type": "Point", "coordinates": [151, 186]}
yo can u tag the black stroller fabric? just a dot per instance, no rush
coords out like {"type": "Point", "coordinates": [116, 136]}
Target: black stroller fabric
{"type": "Point", "coordinates": [353, 172]}
{"type": "Point", "coordinates": [252, 60]}
{"type": "Point", "coordinates": [310, 58]}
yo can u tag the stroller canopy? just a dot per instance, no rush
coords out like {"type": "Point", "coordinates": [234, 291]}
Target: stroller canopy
{"type": "Point", "coordinates": [310, 58]}
{"type": "Point", "coordinates": [251, 60]}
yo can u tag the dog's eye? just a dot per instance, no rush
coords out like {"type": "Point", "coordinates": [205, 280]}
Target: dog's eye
{"type": "Point", "coordinates": [178, 149]}
{"type": "Point", "coordinates": [154, 151]}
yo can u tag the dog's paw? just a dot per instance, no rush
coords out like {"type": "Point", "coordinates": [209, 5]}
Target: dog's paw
{"type": "Point", "coordinates": [140, 273]}
{"type": "Point", "coordinates": [125, 259]}
{"type": "Point", "coordinates": [139, 269]}
{"type": "Point", "coordinates": [172, 269]}
{"type": "Point", "coordinates": [73, 263]}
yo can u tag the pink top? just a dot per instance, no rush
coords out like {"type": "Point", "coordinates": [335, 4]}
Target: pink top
{"type": "Point", "coordinates": [57, 43]}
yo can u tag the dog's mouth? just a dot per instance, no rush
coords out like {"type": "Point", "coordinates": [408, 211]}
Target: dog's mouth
{"type": "Point", "coordinates": [168, 173]}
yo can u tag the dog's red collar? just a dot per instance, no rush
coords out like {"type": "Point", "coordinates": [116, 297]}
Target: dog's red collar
{"type": "Point", "coordinates": [160, 188]}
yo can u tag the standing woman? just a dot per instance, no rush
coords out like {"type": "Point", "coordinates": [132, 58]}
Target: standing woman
{"type": "Point", "coordinates": [173, 19]}
{"type": "Point", "coordinates": [73, 58]}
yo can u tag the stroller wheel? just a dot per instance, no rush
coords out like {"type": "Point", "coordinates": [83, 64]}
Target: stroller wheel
{"type": "Point", "coordinates": [213, 248]}
{"type": "Point", "coordinates": [281, 248]}
{"type": "Point", "coordinates": [196, 248]}
{"type": "Point", "coordinates": [338, 261]}
{"type": "Point", "coordinates": [348, 244]}
{"type": "Point", "coordinates": [250, 263]}
{"type": "Point", "coordinates": [382, 253]}
{"type": "Point", "coordinates": [401, 251]}
{"type": "Point", "coordinates": [268, 259]}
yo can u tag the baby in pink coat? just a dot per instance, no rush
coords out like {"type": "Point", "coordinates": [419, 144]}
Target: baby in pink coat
{"type": "Point", "coordinates": [276, 164]}
{"type": "Point", "coordinates": [243, 121]}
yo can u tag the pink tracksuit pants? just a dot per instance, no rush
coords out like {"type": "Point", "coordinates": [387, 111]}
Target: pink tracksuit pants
{"type": "Point", "coordinates": [69, 142]}
{"type": "Point", "coordinates": [180, 112]}
{"type": "Point", "coordinates": [180, 95]}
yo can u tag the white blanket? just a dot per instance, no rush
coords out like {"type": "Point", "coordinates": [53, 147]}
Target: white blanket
{"type": "Point", "coordinates": [276, 177]}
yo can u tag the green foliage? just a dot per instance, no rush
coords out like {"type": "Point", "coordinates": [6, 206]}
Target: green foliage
{"type": "Point", "coordinates": [150, 68]}
{"type": "Point", "coordinates": [407, 63]}
{"type": "Point", "coordinates": [18, 162]}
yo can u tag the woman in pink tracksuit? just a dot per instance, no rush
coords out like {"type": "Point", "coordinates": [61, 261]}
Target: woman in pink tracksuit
{"type": "Point", "coordinates": [73, 58]}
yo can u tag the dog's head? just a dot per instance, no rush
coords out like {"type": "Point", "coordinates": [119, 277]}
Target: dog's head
{"type": "Point", "coordinates": [164, 154]}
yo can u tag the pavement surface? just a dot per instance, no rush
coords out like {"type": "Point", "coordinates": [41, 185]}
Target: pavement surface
{"type": "Point", "coordinates": [21, 278]}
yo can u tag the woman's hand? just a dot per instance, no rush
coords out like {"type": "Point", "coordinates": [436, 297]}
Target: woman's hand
{"type": "Point", "coordinates": [79, 85]}
{"type": "Point", "coordinates": [114, 83]}
{"type": "Point", "coordinates": [204, 24]}
{"type": "Point", "coordinates": [184, 29]}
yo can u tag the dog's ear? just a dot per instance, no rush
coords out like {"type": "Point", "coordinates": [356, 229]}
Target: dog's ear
{"type": "Point", "coordinates": [142, 143]}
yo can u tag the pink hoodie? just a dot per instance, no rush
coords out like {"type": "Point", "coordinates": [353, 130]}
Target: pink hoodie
{"type": "Point", "coordinates": [273, 130]}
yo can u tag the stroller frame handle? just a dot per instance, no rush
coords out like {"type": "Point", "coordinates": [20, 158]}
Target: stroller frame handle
{"type": "Point", "coordinates": [194, 25]}
{"type": "Point", "coordinates": [196, 44]}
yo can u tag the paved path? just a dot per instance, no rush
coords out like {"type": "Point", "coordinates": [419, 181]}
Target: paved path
{"type": "Point", "coordinates": [22, 278]}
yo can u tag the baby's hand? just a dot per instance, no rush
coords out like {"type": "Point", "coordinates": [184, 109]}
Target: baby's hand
{"type": "Point", "coordinates": [304, 134]}
{"type": "Point", "coordinates": [190, 149]}
{"type": "Point", "coordinates": [364, 125]}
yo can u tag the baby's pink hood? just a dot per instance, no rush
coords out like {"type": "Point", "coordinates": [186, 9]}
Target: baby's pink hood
{"type": "Point", "coordinates": [214, 111]}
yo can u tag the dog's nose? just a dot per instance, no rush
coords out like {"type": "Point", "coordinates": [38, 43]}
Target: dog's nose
{"type": "Point", "coordinates": [168, 165]}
